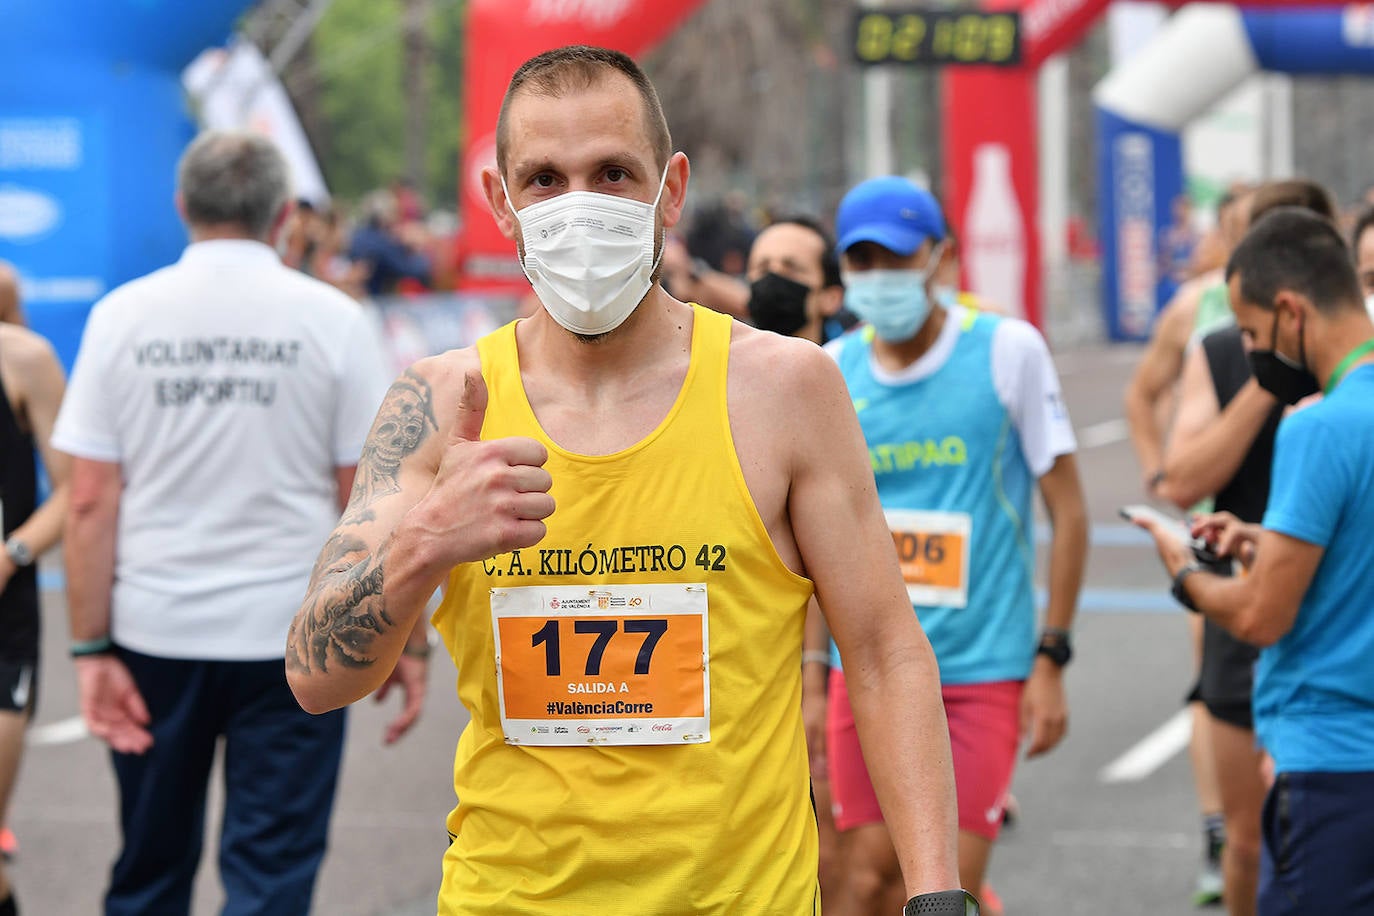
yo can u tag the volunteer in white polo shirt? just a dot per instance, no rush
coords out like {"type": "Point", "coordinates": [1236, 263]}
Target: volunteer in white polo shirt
{"type": "Point", "coordinates": [215, 415]}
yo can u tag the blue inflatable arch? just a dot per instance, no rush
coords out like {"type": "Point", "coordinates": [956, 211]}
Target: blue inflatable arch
{"type": "Point", "coordinates": [92, 121]}
{"type": "Point", "coordinates": [1201, 54]}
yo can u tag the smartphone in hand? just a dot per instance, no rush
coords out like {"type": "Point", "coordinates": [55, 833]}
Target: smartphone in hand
{"type": "Point", "coordinates": [1175, 526]}
{"type": "Point", "coordinates": [1179, 529]}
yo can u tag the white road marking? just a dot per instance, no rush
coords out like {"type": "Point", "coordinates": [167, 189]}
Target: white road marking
{"type": "Point", "coordinates": [1152, 751]}
{"type": "Point", "coordinates": [1108, 432]}
{"type": "Point", "coordinates": [63, 731]}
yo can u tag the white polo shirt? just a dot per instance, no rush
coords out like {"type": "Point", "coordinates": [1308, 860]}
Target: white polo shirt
{"type": "Point", "coordinates": [228, 388]}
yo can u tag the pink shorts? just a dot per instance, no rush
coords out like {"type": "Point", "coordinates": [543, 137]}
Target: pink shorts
{"type": "Point", "coordinates": [984, 731]}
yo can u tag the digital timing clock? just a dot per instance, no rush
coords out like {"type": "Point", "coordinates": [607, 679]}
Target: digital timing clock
{"type": "Point", "coordinates": [921, 37]}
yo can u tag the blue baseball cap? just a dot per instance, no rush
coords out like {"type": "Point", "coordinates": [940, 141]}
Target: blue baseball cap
{"type": "Point", "coordinates": [892, 211]}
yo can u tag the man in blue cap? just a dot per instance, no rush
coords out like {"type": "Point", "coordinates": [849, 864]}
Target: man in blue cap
{"type": "Point", "coordinates": [963, 416]}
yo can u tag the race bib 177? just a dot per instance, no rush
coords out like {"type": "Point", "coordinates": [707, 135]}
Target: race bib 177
{"type": "Point", "coordinates": [602, 665]}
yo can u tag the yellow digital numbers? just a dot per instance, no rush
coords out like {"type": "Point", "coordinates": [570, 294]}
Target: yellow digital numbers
{"type": "Point", "coordinates": [937, 37]}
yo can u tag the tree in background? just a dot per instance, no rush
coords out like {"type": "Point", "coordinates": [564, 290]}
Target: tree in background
{"type": "Point", "coordinates": [378, 90]}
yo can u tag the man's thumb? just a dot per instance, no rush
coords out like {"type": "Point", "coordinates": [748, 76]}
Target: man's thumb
{"type": "Point", "coordinates": [472, 408]}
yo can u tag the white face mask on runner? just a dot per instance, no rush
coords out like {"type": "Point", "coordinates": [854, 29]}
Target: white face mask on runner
{"type": "Point", "coordinates": [589, 256]}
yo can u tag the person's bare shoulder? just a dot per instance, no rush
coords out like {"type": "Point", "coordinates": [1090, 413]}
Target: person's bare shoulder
{"type": "Point", "coordinates": [27, 352]}
{"type": "Point", "coordinates": [438, 380]}
{"type": "Point", "coordinates": [444, 372]}
{"type": "Point", "coordinates": [785, 385]}
{"type": "Point", "coordinates": [785, 367]}
{"type": "Point", "coordinates": [1176, 319]}
{"type": "Point", "coordinates": [405, 446]}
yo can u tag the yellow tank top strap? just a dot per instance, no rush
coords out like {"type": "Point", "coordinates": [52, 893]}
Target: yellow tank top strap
{"type": "Point", "coordinates": [705, 396]}
{"type": "Point", "coordinates": [500, 358]}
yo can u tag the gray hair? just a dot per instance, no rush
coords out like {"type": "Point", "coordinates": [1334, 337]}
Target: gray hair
{"type": "Point", "coordinates": [233, 178]}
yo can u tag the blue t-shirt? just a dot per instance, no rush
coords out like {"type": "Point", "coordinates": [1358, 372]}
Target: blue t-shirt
{"type": "Point", "coordinates": [1314, 688]}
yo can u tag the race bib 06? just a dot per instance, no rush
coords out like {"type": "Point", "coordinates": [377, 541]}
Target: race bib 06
{"type": "Point", "coordinates": [933, 549]}
{"type": "Point", "coordinates": [602, 665]}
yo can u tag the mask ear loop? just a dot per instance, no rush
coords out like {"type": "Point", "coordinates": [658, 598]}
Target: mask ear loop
{"type": "Point", "coordinates": [662, 180]}
{"type": "Point", "coordinates": [662, 241]}
{"type": "Point", "coordinates": [515, 215]}
{"type": "Point", "coordinates": [933, 261]}
{"type": "Point", "coordinates": [509, 206]}
{"type": "Point", "coordinates": [1302, 344]}
{"type": "Point", "coordinates": [1274, 345]}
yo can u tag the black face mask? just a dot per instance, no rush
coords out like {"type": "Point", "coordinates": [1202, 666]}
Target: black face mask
{"type": "Point", "coordinates": [1286, 380]}
{"type": "Point", "coordinates": [778, 304]}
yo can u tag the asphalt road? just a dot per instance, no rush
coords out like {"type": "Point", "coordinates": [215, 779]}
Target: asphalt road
{"type": "Point", "coordinates": [1085, 844]}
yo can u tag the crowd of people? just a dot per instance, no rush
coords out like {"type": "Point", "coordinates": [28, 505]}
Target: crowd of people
{"type": "Point", "coordinates": [811, 688]}
{"type": "Point", "coordinates": [388, 248]}
{"type": "Point", "coordinates": [1227, 416]}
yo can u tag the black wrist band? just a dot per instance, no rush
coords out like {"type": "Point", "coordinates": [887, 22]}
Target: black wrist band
{"type": "Point", "coordinates": [944, 903]}
{"type": "Point", "coordinates": [1179, 588]}
{"type": "Point", "coordinates": [1055, 644]}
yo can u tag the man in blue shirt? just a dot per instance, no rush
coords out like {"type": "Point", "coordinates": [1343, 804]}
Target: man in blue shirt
{"type": "Point", "coordinates": [1308, 598]}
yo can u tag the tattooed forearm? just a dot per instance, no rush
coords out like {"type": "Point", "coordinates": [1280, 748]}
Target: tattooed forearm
{"type": "Point", "coordinates": [405, 420]}
{"type": "Point", "coordinates": [344, 612]}
{"type": "Point", "coordinates": [357, 517]}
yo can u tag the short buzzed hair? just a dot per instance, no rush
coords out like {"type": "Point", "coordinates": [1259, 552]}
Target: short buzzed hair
{"type": "Point", "coordinates": [557, 72]}
{"type": "Point", "coordinates": [1295, 249]}
{"type": "Point", "coordinates": [233, 178]}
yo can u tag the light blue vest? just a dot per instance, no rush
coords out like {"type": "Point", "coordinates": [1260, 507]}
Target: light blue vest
{"type": "Point", "coordinates": [945, 443]}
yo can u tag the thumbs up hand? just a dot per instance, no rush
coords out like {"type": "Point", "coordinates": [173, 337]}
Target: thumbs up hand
{"type": "Point", "coordinates": [472, 409]}
{"type": "Point", "coordinates": [488, 497]}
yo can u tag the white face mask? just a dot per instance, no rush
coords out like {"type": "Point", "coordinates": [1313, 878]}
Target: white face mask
{"type": "Point", "coordinates": [589, 256]}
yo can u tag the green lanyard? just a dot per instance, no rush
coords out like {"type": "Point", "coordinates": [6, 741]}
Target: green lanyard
{"type": "Point", "coordinates": [1363, 349]}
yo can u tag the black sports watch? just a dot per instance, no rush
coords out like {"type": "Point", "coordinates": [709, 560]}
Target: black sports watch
{"type": "Point", "coordinates": [1056, 646]}
{"type": "Point", "coordinates": [1178, 589]}
{"type": "Point", "coordinates": [944, 903]}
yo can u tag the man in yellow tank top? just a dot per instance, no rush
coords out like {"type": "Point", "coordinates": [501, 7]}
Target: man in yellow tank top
{"type": "Point", "coordinates": [630, 503]}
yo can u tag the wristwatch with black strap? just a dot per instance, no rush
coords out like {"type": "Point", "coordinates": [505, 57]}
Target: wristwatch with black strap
{"type": "Point", "coordinates": [945, 903]}
{"type": "Point", "coordinates": [1056, 645]}
{"type": "Point", "coordinates": [1180, 590]}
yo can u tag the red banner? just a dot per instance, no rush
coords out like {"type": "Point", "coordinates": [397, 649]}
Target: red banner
{"type": "Point", "coordinates": [992, 192]}
{"type": "Point", "coordinates": [501, 35]}
{"type": "Point", "coordinates": [991, 154]}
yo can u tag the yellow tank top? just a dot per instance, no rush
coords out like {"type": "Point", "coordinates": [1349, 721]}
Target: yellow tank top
{"type": "Point", "coordinates": [641, 751]}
